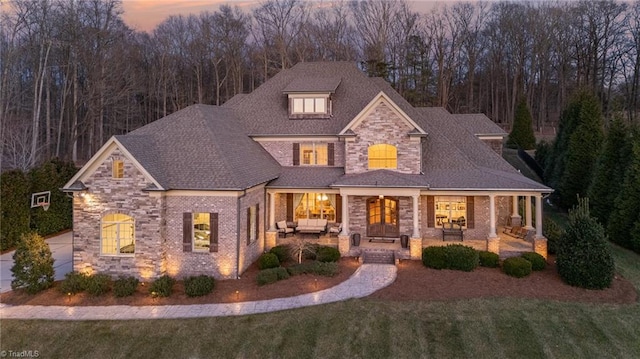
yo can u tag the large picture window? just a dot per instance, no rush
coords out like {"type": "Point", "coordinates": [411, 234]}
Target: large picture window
{"type": "Point", "coordinates": [383, 156]}
{"type": "Point", "coordinates": [117, 235]}
{"type": "Point", "coordinates": [315, 205]}
{"type": "Point", "coordinates": [451, 209]}
{"type": "Point", "coordinates": [314, 154]}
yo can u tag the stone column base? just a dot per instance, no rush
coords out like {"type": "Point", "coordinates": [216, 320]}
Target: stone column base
{"type": "Point", "coordinates": [540, 246]}
{"type": "Point", "coordinates": [270, 238]}
{"type": "Point", "coordinates": [493, 245]}
{"type": "Point", "coordinates": [415, 248]}
{"type": "Point", "coordinates": [343, 244]}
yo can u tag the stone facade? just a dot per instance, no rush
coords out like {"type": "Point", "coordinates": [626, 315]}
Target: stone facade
{"type": "Point", "coordinates": [382, 125]}
{"type": "Point", "coordinates": [108, 195]}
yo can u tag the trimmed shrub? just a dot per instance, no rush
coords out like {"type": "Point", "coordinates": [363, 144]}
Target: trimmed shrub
{"type": "Point", "coordinates": [283, 252]}
{"type": "Point", "coordinates": [198, 285]}
{"type": "Point", "coordinates": [15, 199]}
{"type": "Point", "coordinates": [33, 264]}
{"type": "Point", "coordinates": [271, 275]}
{"type": "Point", "coordinates": [488, 259]}
{"type": "Point", "coordinates": [537, 261]}
{"type": "Point", "coordinates": [327, 254]}
{"type": "Point", "coordinates": [310, 251]}
{"type": "Point", "coordinates": [268, 260]}
{"type": "Point", "coordinates": [73, 283]}
{"type": "Point", "coordinates": [516, 267]}
{"type": "Point", "coordinates": [50, 176]}
{"type": "Point", "coordinates": [552, 231]}
{"type": "Point", "coordinates": [461, 257]}
{"type": "Point", "coordinates": [162, 286]}
{"type": "Point", "coordinates": [326, 269]}
{"type": "Point", "coordinates": [584, 259]}
{"type": "Point", "coordinates": [125, 286]}
{"type": "Point", "coordinates": [435, 257]}
{"type": "Point", "coordinates": [97, 284]}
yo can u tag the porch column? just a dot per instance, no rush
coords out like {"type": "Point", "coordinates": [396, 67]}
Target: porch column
{"type": "Point", "coordinates": [416, 227]}
{"type": "Point", "coordinates": [516, 220]}
{"type": "Point", "coordinates": [492, 216]}
{"type": "Point", "coordinates": [345, 215]}
{"type": "Point", "coordinates": [538, 216]}
{"type": "Point", "coordinates": [527, 207]}
{"type": "Point", "coordinates": [272, 211]}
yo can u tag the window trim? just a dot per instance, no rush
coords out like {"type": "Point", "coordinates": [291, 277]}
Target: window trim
{"type": "Point", "coordinates": [132, 222]}
{"type": "Point", "coordinates": [314, 153]}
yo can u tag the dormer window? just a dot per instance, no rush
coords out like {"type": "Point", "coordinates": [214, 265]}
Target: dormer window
{"type": "Point", "coordinates": [311, 97]}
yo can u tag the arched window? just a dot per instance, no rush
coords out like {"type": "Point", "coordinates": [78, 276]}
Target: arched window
{"type": "Point", "coordinates": [117, 235]}
{"type": "Point", "coordinates": [383, 156]}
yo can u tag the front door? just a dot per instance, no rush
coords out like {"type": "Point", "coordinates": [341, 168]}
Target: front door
{"type": "Point", "coordinates": [382, 217]}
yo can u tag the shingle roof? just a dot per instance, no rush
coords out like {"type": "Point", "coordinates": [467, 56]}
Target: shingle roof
{"type": "Point", "coordinates": [479, 124]}
{"type": "Point", "coordinates": [307, 177]}
{"type": "Point", "coordinates": [313, 85]}
{"type": "Point", "coordinates": [200, 147]}
{"type": "Point", "coordinates": [382, 178]}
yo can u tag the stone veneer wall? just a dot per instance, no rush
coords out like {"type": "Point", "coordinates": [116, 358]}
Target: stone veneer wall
{"type": "Point", "coordinates": [358, 213]}
{"type": "Point", "coordinates": [125, 195]}
{"type": "Point", "coordinates": [282, 151]}
{"type": "Point", "coordinates": [382, 125]}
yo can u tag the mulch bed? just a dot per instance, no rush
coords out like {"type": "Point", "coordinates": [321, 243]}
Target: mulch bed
{"type": "Point", "coordinates": [415, 282]}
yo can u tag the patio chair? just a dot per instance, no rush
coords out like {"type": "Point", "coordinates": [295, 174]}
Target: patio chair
{"type": "Point", "coordinates": [335, 230]}
{"type": "Point", "coordinates": [283, 229]}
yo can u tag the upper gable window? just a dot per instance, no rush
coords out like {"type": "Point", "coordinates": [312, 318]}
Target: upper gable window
{"type": "Point", "coordinates": [383, 156]}
{"type": "Point", "coordinates": [313, 154]}
{"type": "Point", "coordinates": [315, 105]}
{"type": "Point", "coordinates": [118, 168]}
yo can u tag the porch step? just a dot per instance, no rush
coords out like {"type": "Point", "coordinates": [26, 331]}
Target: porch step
{"type": "Point", "coordinates": [378, 257]}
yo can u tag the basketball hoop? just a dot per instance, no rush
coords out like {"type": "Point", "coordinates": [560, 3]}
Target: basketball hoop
{"type": "Point", "coordinates": [45, 205]}
{"type": "Point", "coordinates": [41, 199]}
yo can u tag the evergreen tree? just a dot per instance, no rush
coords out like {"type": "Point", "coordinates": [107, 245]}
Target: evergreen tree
{"type": "Point", "coordinates": [521, 135]}
{"type": "Point", "coordinates": [33, 264]}
{"type": "Point", "coordinates": [14, 201]}
{"type": "Point", "coordinates": [624, 222]}
{"type": "Point", "coordinates": [610, 169]}
{"type": "Point", "coordinates": [51, 176]}
{"type": "Point", "coordinates": [583, 147]}
{"type": "Point", "coordinates": [583, 258]}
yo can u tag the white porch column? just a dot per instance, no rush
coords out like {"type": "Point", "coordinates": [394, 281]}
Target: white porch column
{"type": "Point", "coordinates": [538, 216]}
{"type": "Point", "coordinates": [514, 211]}
{"type": "Point", "coordinates": [527, 207]}
{"type": "Point", "coordinates": [492, 216]}
{"type": "Point", "coordinates": [416, 227]}
{"type": "Point", "coordinates": [345, 215]}
{"type": "Point", "coordinates": [272, 211]}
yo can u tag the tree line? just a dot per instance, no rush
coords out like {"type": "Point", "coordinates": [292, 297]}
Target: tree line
{"type": "Point", "coordinates": [72, 73]}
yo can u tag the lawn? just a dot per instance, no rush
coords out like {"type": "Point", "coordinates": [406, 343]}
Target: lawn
{"type": "Point", "coordinates": [365, 328]}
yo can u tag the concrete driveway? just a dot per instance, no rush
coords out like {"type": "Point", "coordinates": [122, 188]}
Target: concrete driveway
{"type": "Point", "coordinates": [61, 249]}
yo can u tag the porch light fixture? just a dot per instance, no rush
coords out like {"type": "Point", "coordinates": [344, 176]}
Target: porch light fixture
{"type": "Point", "coordinates": [381, 196]}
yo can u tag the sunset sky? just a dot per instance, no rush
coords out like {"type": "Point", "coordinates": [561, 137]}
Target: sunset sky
{"type": "Point", "coordinates": [144, 15]}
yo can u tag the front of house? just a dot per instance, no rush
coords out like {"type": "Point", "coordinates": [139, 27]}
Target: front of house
{"type": "Point", "coordinates": [201, 190]}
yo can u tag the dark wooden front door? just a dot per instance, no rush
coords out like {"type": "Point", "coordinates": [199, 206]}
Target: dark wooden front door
{"type": "Point", "coordinates": [382, 217]}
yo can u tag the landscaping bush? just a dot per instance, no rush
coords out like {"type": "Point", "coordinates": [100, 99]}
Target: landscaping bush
{"type": "Point", "coordinates": [198, 286]}
{"type": "Point", "coordinates": [552, 232]}
{"type": "Point", "coordinates": [125, 286]}
{"type": "Point", "coordinates": [327, 254]}
{"type": "Point", "coordinates": [15, 199]}
{"type": "Point", "coordinates": [326, 269]}
{"type": "Point", "coordinates": [537, 261]}
{"type": "Point", "coordinates": [584, 259]}
{"type": "Point", "coordinates": [310, 251]}
{"type": "Point", "coordinates": [33, 264]}
{"type": "Point", "coordinates": [50, 176]}
{"type": "Point", "coordinates": [268, 260]}
{"type": "Point", "coordinates": [97, 284]}
{"type": "Point", "coordinates": [435, 257]}
{"type": "Point", "coordinates": [488, 259]}
{"type": "Point", "coordinates": [73, 283]}
{"type": "Point", "coordinates": [283, 252]}
{"type": "Point", "coordinates": [162, 286]}
{"type": "Point", "coordinates": [271, 275]}
{"type": "Point", "coordinates": [516, 267]}
{"type": "Point", "coordinates": [460, 257]}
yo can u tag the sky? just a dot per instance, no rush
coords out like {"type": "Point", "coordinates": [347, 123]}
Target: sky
{"type": "Point", "coordinates": [145, 15]}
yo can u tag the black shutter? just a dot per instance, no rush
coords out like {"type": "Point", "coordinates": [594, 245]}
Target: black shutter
{"type": "Point", "coordinates": [431, 212]}
{"type": "Point", "coordinates": [330, 154]}
{"type": "Point", "coordinates": [296, 154]}
{"type": "Point", "coordinates": [470, 213]}
{"type": "Point", "coordinates": [213, 226]}
{"type": "Point", "coordinates": [187, 232]}
{"type": "Point", "coordinates": [248, 223]}
{"type": "Point", "coordinates": [338, 208]}
{"type": "Point", "coordinates": [289, 207]}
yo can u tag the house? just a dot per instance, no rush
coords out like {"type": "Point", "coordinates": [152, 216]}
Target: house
{"type": "Point", "coordinates": [200, 191]}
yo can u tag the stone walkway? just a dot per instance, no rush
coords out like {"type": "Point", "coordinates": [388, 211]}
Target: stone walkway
{"type": "Point", "coordinates": [366, 280]}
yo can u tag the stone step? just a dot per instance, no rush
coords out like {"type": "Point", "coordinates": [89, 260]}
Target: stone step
{"type": "Point", "coordinates": [378, 257]}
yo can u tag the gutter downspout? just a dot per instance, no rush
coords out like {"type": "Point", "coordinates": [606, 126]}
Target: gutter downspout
{"type": "Point", "coordinates": [244, 193]}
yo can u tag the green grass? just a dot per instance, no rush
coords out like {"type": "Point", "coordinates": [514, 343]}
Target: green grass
{"type": "Point", "coordinates": [479, 328]}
